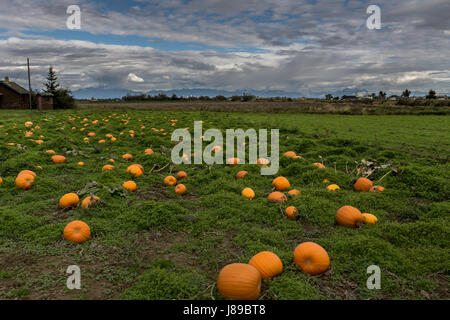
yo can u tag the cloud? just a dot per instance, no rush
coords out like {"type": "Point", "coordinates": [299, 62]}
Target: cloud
{"type": "Point", "coordinates": [311, 47]}
{"type": "Point", "coordinates": [134, 78]}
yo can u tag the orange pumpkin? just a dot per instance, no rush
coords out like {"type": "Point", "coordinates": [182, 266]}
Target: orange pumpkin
{"type": "Point", "coordinates": [89, 201]}
{"type": "Point", "coordinates": [170, 180]}
{"type": "Point", "coordinates": [349, 216]}
{"type": "Point", "coordinates": [290, 154]}
{"type": "Point", "coordinates": [239, 281]}
{"type": "Point", "coordinates": [267, 263]}
{"type": "Point", "coordinates": [77, 231]}
{"type": "Point", "coordinates": [333, 187]}
{"type": "Point", "coordinates": [291, 213]}
{"type": "Point", "coordinates": [81, 163]}
{"type": "Point", "coordinates": [50, 151]}
{"type": "Point", "coordinates": [69, 200]}
{"type": "Point", "coordinates": [311, 258]}
{"type": "Point", "coordinates": [127, 156]}
{"type": "Point", "coordinates": [107, 167]}
{"type": "Point", "coordinates": [363, 184]}
{"type": "Point", "coordinates": [24, 181]}
{"type": "Point", "coordinates": [263, 162]}
{"type": "Point", "coordinates": [277, 197]}
{"type": "Point", "coordinates": [181, 175]}
{"type": "Point", "coordinates": [281, 183]}
{"type": "Point", "coordinates": [294, 193]}
{"type": "Point", "coordinates": [1, 180]}
{"type": "Point", "coordinates": [58, 159]}
{"type": "Point", "coordinates": [233, 161]}
{"type": "Point", "coordinates": [248, 193]}
{"type": "Point", "coordinates": [91, 134]}
{"type": "Point", "coordinates": [148, 151]}
{"type": "Point", "coordinates": [318, 165]}
{"type": "Point", "coordinates": [376, 189]}
{"type": "Point", "coordinates": [135, 170]}
{"type": "Point", "coordinates": [180, 189]}
{"type": "Point", "coordinates": [130, 185]}
{"type": "Point", "coordinates": [241, 174]}
{"type": "Point", "coordinates": [28, 172]}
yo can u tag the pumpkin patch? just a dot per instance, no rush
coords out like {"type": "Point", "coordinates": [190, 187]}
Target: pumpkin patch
{"type": "Point", "coordinates": [141, 226]}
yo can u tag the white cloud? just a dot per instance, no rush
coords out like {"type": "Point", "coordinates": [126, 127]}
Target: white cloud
{"type": "Point", "coordinates": [134, 78]}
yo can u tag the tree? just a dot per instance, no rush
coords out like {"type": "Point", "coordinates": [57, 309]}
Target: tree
{"type": "Point", "coordinates": [406, 93]}
{"type": "Point", "coordinates": [431, 94]}
{"type": "Point", "coordinates": [328, 96]}
{"type": "Point", "coordinates": [382, 94]}
{"type": "Point", "coordinates": [51, 86]}
{"type": "Point", "coordinates": [62, 98]}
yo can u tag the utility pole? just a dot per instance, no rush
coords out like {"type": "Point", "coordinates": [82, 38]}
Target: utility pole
{"type": "Point", "coordinates": [29, 78]}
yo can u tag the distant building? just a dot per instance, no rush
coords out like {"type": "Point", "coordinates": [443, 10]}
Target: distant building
{"type": "Point", "coordinates": [44, 101]}
{"type": "Point", "coordinates": [441, 97]}
{"type": "Point", "coordinates": [13, 96]}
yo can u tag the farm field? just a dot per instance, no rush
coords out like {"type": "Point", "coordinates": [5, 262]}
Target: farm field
{"type": "Point", "coordinates": [156, 244]}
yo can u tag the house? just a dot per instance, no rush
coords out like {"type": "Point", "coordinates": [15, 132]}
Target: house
{"type": "Point", "coordinates": [13, 96]}
{"type": "Point", "coordinates": [44, 101]}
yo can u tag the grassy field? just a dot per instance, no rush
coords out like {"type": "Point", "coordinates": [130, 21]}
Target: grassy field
{"type": "Point", "coordinates": [155, 244]}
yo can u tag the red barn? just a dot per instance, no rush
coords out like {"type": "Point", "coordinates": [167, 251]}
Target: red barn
{"type": "Point", "coordinates": [13, 96]}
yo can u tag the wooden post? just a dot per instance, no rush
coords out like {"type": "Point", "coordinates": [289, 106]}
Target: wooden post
{"type": "Point", "coordinates": [29, 79]}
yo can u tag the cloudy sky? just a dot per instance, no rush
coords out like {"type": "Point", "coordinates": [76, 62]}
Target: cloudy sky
{"type": "Point", "coordinates": [307, 46]}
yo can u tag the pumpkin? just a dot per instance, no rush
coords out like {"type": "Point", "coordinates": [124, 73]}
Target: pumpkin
{"type": "Point", "coordinates": [241, 174]}
{"type": "Point", "coordinates": [81, 163]}
{"type": "Point", "coordinates": [311, 258]}
{"type": "Point", "coordinates": [69, 200]}
{"type": "Point", "coordinates": [130, 185]}
{"type": "Point", "coordinates": [294, 193]}
{"type": "Point", "coordinates": [181, 175]}
{"type": "Point", "coordinates": [333, 187]}
{"type": "Point", "coordinates": [376, 189]}
{"type": "Point", "coordinates": [28, 172]}
{"type": "Point", "coordinates": [135, 170]}
{"type": "Point", "coordinates": [102, 141]}
{"type": "Point", "coordinates": [239, 281]}
{"type": "Point", "coordinates": [290, 154]}
{"type": "Point", "coordinates": [349, 216]}
{"type": "Point", "coordinates": [369, 218]}
{"type": "Point", "coordinates": [170, 180]}
{"type": "Point", "coordinates": [24, 181]}
{"type": "Point", "coordinates": [248, 193]}
{"type": "Point", "coordinates": [91, 134]}
{"type": "Point", "coordinates": [267, 263]}
{"type": "Point", "coordinates": [363, 184]}
{"type": "Point", "coordinates": [263, 162]}
{"type": "Point", "coordinates": [291, 213]}
{"type": "Point", "coordinates": [277, 197]}
{"type": "Point", "coordinates": [326, 181]}
{"type": "Point", "coordinates": [107, 167]}
{"type": "Point", "coordinates": [148, 151]}
{"type": "Point", "coordinates": [127, 156]}
{"type": "Point", "coordinates": [281, 183]}
{"type": "Point", "coordinates": [89, 201]}
{"type": "Point", "coordinates": [28, 124]}
{"type": "Point", "coordinates": [50, 151]}
{"type": "Point", "coordinates": [1, 180]}
{"type": "Point", "coordinates": [58, 159]}
{"type": "Point", "coordinates": [180, 189]}
{"type": "Point", "coordinates": [232, 161]}
{"type": "Point", "coordinates": [318, 165]}
{"type": "Point", "coordinates": [77, 231]}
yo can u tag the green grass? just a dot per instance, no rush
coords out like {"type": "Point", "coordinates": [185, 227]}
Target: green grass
{"type": "Point", "coordinates": [154, 244]}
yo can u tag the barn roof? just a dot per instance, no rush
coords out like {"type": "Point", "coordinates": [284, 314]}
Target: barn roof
{"type": "Point", "coordinates": [14, 86]}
